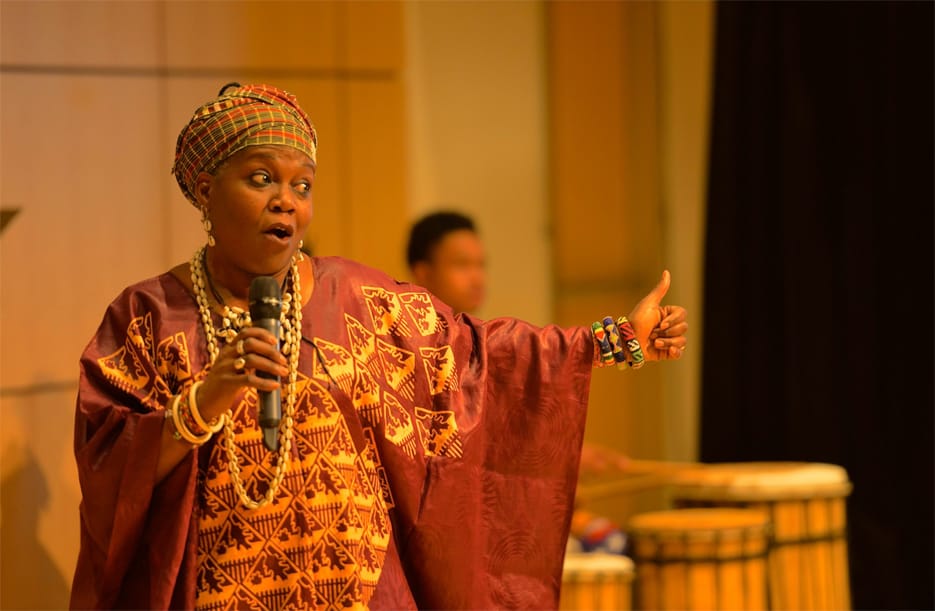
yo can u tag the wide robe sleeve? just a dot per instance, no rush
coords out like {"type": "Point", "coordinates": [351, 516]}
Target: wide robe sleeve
{"type": "Point", "coordinates": [133, 530]}
{"type": "Point", "coordinates": [482, 508]}
{"type": "Point", "coordinates": [494, 523]}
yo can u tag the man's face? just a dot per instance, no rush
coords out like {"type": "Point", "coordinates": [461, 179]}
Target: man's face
{"type": "Point", "coordinates": [456, 271]}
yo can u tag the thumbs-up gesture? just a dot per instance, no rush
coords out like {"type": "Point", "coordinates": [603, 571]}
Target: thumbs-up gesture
{"type": "Point", "coordinates": [659, 328]}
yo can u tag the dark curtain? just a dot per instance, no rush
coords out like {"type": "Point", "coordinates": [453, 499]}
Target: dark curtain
{"type": "Point", "coordinates": [818, 306]}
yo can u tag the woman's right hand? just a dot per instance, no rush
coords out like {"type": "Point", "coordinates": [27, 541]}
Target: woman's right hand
{"type": "Point", "coordinates": [253, 350]}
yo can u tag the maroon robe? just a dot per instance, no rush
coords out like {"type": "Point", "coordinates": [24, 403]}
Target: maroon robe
{"type": "Point", "coordinates": [478, 528]}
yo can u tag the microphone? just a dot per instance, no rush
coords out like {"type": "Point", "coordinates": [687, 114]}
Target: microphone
{"type": "Point", "coordinates": [265, 308]}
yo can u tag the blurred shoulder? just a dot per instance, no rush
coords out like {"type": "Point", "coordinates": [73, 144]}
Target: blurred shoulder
{"type": "Point", "coordinates": [352, 274]}
{"type": "Point", "coordinates": [166, 288]}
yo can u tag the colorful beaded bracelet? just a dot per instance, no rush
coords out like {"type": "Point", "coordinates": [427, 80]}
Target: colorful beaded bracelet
{"type": "Point", "coordinates": [636, 359]}
{"type": "Point", "coordinates": [616, 343]}
{"type": "Point", "coordinates": [603, 342]}
{"type": "Point", "coordinates": [613, 333]}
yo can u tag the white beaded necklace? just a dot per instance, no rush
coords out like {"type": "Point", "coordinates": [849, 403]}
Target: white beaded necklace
{"type": "Point", "coordinates": [235, 319]}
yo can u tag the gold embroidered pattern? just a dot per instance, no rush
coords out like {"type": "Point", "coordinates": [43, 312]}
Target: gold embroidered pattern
{"type": "Point", "coordinates": [399, 368]}
{"type": "Point", "coordinates": [338, 362]}
{"type": "Point", "coordinates": [363, 344]}
{"type": "Point", "coordinates": [440, 368]}
{"type": "Point", "coordinates": [320, 544]}
{"type": "Point", "coordinates": [398, 425]}
{"type": "Point", "coordinates": [387, 492]}
{"type": "Point", "coordinates": [439, 433]}
{"type": "Point", "coordinates": [323, 541]}
{"type": "Point", "coordinates": [366, 397]}
{"type": "Point", "coordinates": [138, 365]}
{"type": "Point", "coordinates": [125, 367]}
{"type": "Point", "coordinates": [386, 312]}
{"type": "Point", "coordinates": [382, 411]}
{"type": "Point", "coordinates": [423, 313]}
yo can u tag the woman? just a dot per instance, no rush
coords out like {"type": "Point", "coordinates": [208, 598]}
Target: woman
{"type": "Point", "coordinates": [423, 459]}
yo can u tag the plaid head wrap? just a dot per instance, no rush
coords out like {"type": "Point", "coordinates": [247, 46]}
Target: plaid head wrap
{"type": "Point", "coordinates": [241, 116]}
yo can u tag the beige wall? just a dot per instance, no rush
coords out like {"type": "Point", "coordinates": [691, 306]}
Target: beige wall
{"type": "Point", "coordinates": [685, 54]}
{"type": "Point", "coordinates": [628, 95]}
{"type": "Point", "coordinates": [477, 119]}
{"type": "Point", "coordinates": [545, 121]}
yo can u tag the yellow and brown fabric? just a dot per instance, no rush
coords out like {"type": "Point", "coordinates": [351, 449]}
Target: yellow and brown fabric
{"type": "Point", "coordinates": [241, 116]}
{"type": "Point", "coordinates": [434, 464]}
{"type": "Point", "coordinates": [324, 541]}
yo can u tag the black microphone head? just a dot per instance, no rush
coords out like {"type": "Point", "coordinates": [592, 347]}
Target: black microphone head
{"type": "Point", "coordinates": [265, 298]}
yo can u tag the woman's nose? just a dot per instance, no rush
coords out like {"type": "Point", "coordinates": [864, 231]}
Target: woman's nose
{"type": "Point", "coordinates": [284, 200]}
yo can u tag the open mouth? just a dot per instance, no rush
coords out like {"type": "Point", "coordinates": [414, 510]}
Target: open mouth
{"type": "Point", "coordinates": [282, 232]}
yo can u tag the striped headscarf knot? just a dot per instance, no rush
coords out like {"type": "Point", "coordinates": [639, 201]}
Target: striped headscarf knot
{"type": "Point", "coordinates": [241, 116]}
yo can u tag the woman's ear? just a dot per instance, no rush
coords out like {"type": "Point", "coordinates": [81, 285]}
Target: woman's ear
{"type": "Point", "coordinates": [202, 190]}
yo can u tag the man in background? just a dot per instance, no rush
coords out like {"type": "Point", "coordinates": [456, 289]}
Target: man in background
{"type": "Point", "coordinates": [445, 255]}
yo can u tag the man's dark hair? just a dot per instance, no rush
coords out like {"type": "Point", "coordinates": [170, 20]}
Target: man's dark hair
{"type": "Point", "coordinates": [429, 231]}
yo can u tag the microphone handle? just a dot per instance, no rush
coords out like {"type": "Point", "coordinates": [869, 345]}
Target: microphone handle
{"type": "Point", "coordinates": [269, 403]}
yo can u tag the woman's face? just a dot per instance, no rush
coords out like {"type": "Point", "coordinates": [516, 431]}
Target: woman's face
{"type": "Point", "coordinates": [260, 205]}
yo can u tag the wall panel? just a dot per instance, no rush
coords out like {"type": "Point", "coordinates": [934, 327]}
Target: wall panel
{"type": "Point", "coordinates": [92, 98]}
{"type": "Point", "coordinates": [376, 133]}
{"type": "Point", "coordinates": [88, 223]}
{"type": "Point", "coordinates": [56, 34]}
{"type": "Point", "coordinates": [275, 37]}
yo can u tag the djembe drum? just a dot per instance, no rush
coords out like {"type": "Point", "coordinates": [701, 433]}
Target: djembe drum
{"type": "Point", "coordinates": [805, 503]}
{"type": "Point", "coordinates": [700, 559]}
{"type": "Point", "coordinates": [596, 581]}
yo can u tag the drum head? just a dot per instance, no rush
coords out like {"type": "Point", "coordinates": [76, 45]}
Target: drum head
{"type": "Point", "coordinates": [598, 564]}
{"type": "Point", "coordinates": [761, 481]}
{"type": "Point", "coordinates": [701, 524]}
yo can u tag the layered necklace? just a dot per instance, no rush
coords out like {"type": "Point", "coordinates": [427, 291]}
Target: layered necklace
{"type": "Point", "coordinates": [234, 319]}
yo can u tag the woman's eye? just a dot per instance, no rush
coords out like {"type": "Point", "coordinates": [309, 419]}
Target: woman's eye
{"type": "Point", "coordinates": [260, 178]}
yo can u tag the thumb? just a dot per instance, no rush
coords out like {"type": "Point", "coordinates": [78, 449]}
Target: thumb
{"type": "Point", "coordinates": [660, 290]}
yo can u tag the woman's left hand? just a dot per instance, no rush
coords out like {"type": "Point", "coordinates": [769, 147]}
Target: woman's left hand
{"type": "Point", "coordinates": [660, 329]}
